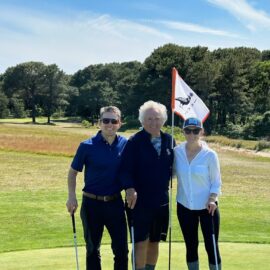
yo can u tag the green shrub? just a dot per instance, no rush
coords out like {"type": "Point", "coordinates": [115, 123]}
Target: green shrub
{"type": "Point", "coordinates": [262, 145]}
{"type": "Point", "coordinates": [86, 124]}
{"type": "Point", "coordinates": [232, 131]}
{"type": "Point", "coordinates": [130, 123]}
{"type": "Point", "coordinates": [258, 127]}
{"type": "Point", "coordinates": [177, 133]}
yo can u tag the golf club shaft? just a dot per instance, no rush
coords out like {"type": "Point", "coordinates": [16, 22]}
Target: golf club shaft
{"type": "Point", "coordinates": [170, 222]}
{"type": "Point", "coordinates": [133, 247]}
{"type": "Point", "coordinates": [170, 248]}
{"type": "Point", "coordinates": [214, 242]}
{"type": "Point", "coordinates": [76, 251]}
{"type": "Point", "coordinates": [75, 240]}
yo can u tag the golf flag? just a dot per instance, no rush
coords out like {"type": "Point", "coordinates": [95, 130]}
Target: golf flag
{"type": "Point", "coordinates": [185, 102]}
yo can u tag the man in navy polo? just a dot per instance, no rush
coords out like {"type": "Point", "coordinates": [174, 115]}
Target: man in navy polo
{"type": "Point", "coordinates": [102, 204]}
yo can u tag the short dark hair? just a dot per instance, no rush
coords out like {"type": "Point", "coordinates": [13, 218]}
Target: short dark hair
{"type": "Point", "coordinates": [112, 109]}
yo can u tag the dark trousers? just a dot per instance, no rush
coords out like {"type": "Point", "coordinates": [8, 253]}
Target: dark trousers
{"type": "Point", "coordinates": [189, 222]}
{"type": "Point", "coordinates": [97, 214]}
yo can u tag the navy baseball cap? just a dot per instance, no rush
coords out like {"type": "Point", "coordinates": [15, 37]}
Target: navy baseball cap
{"type": "Point", "coordinates": [192, 122]}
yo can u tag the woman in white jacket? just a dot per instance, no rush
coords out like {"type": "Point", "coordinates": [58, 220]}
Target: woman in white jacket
{"type": "Point", "coordinates": [198, 186]}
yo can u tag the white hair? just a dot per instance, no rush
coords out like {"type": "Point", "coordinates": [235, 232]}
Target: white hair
{"type": "Point", "coordinates": [153, 105]}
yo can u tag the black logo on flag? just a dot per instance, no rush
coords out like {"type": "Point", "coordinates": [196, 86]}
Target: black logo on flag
{"type": "Point", "coordinates": [184, 100]}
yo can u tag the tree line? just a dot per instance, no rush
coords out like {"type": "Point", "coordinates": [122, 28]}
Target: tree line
{"type": "Point", "coordinates": [233, 82]}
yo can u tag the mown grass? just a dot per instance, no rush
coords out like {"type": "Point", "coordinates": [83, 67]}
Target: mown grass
{"type": "Point", "coordinates": [33, 193]}
{"type": "Point", "coordinates": [235, 257]}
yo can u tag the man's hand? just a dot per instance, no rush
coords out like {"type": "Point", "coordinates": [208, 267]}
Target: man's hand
{"type": "Point", "coordinates": [72, 205]}
{"type": "Point", "coordinates": [131, 197]}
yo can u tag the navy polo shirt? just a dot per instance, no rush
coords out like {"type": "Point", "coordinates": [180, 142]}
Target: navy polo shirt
{"type": "Point", "coordinates": [101, 162]}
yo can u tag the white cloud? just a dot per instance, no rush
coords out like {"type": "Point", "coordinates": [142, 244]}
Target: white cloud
{"type": "Point", "coordinates": [75, 41]}
{"type": "Point", "coordinates": [252, 18]}
{"type": "Point", "coordinates": [195, 28]}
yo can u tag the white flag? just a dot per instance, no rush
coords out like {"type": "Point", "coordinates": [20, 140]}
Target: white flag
{"type": "Point", "coordinates": [185, 102]}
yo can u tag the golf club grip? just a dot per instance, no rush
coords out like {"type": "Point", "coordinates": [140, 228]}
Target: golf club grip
{"type": "Point", "coordinates": [73, 223]}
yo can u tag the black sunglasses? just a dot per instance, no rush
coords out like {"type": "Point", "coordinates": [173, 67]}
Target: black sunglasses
{"type": "Point", "coordinates": [194, 131]}
{"type": "Point", "coordinates": [109, 120]}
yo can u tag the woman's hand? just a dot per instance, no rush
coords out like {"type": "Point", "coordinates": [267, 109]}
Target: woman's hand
{"type": "Point", "coordinates": [211, 206]}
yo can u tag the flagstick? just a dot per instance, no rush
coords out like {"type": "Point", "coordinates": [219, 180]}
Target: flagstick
{"type": "Point", "coordinates": [170, 199]}
{"type": "Point", "coordinates": [172, 127]}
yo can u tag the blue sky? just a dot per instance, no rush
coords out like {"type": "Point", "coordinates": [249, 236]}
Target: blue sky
{"type": "Point", "coordinates": [76, 33]}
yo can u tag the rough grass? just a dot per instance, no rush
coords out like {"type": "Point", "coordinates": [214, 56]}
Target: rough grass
{"type": "Point", "coordinates": [61, 140]}
{"type": "Point", "coordinates": [48, 140]}
{"type": "Point", "coordinates": [67, 133]}
{"type": "Point", "coordinates": [237, 143]}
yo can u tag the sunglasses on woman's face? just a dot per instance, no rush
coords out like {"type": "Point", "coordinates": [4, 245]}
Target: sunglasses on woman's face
{"type": "Point", "coordinates": [194, 131]}
{"type": "Point", "coordinates": [109, 120]}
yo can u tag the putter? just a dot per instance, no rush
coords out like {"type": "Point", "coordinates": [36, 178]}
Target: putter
{"type": "Point", "coordinates": [75, 240]}
{"type": "Point", "coordinates": [214, 242]}
{"type": "Point", "coordinates": [132, 242]}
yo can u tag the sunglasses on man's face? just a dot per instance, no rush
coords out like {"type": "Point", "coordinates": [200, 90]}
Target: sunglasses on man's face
{"type": "Point", "coordinates": [109, 120]}
{"type": "Point", "coordinates": [194, 131]}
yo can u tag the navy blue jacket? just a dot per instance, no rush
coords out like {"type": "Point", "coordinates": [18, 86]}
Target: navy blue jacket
{"type": "Point", "coordinates": [143, 169]}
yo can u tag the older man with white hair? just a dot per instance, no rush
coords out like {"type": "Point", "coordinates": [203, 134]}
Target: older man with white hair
{"type": "Point", "coordinates": [145, 174]}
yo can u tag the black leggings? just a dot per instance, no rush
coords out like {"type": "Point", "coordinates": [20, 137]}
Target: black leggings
{"type": "Point", "coordinates": [189, 223]}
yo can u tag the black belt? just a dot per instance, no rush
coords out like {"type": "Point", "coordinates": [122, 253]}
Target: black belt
{"type": "Point", "coordinates": [101, 198]}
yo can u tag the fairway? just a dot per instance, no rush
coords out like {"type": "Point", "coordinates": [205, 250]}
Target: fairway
{"type": "Point", "coordinates": [35, 228]}
{"type": "Point", "coordinates": [235, 256]}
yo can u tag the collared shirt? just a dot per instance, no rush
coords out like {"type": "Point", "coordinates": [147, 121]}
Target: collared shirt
{"type": "Point", "coordinates": [157, 144]}
{"type": "Point", "coordinates": [198, 179]}
{"type": "Point", "coordinates": [101, 162]}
